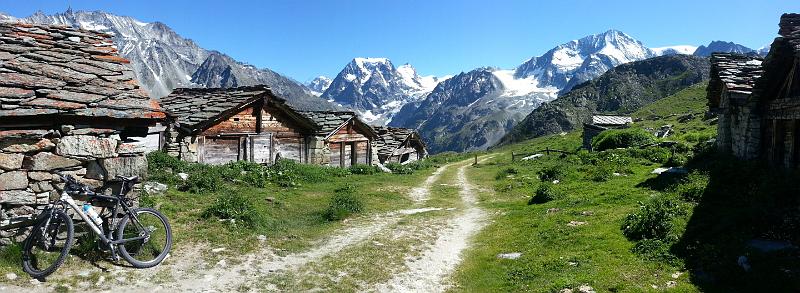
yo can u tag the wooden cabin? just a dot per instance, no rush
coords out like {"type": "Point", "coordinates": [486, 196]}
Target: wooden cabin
{"type": "Point", "coordinates": [602, 123]}
{"type": "Point", "coordinates": [68, 103]}
{"type": "Point", "coordinates": [758, 102]}
{"type": "Point", "coordinates": [216, 126]}
{"type": "Point", "coordinates": [399, 145]}
{"type": "Point", "coordinates": [340, 139]}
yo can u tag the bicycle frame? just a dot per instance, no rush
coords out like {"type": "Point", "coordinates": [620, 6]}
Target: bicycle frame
{"type": "Point", "coordinates": [107, 239]}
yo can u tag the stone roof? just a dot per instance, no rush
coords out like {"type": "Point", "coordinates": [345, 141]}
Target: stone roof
{"type": "Point", "coordinates": [391, 138]}
{"type": "Point", "coordinates": [790, 30]}
{"type": "Point", "coordinates": [194, 108]}
{"type": "Point", "coordinates": [58, 70]}
{"type": "Point", "coordinates": [328, 121]}
{"type": "Point", "coordinates": [611, 120]}
{"type": "Point", "coordinates": [738, 73]}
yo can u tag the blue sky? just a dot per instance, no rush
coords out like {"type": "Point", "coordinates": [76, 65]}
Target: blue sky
{"type": "Point", "coordinates": [303, 39]}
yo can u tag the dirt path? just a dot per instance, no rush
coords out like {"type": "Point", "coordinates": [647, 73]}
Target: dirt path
{"type": "Point", "coordinates": [187, 272]}
{"type": "Point", "coordinates": [429, 273]}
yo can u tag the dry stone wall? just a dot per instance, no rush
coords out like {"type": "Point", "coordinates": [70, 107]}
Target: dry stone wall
{"type": "Point", "coordinates": [31, 159]}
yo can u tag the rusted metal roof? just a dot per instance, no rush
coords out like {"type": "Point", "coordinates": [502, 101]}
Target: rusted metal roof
{"type": "Point", "coordinates": [603, 120]}
{"type": "Point", "coordinates": [58, 70]}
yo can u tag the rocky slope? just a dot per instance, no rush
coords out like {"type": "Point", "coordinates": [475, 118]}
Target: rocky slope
{"type": "Point", "coordinates": [623, 89]}
{"type": "Point", "coordinates": [376, 89]}
{"type": "Point", "coordinates": [319, 84]}
{"type": "Point", "coordinates": [722, 46]}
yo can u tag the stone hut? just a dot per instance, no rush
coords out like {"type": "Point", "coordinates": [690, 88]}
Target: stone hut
{"type": "Point", "coordinates": [759, 102]}
{"type": "Point", "coordinates": [602, 123]}
{"type": "Point", "coordinates": [68, 103]}
{"type": "Point", "coordinates": [340, 139]}
{"type": "Point", "coordinates": [216, 126]}
{"type": "Point", "coordinates": [399, 145]}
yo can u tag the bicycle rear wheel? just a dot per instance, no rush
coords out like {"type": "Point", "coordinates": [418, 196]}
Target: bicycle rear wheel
{"type": "Point", "coordinates": [148, 252]}
{"type": "Point", "coordinates": [48, 245]}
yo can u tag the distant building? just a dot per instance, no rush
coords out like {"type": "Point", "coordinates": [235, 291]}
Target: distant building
{"type": "Point", "coordinates": [602, 123]}
{"type": "Point", "coordinates": [68, 103]}
{"type": "Point", "coordinates": [399, 145]}
{"type": "Point", "coordinates": [340, 139]}
{"type": "Point", "coordinates": [758, 102]}
{"type": "Point", "coordinates": [216, 126]}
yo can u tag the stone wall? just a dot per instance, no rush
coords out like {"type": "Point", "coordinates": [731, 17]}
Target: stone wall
{"type": "Point", "coordinates": [30, 159]}
{"type": "Point", "coordinates": [739, 126]}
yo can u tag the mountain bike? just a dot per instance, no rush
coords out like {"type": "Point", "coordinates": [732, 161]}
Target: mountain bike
{"type": "Point", "coordinates": [141, 236]}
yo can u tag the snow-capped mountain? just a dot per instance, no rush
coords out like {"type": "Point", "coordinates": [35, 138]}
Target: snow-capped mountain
{"type": "Point", "coordinates": [675, 50]}
{"type": "Point", "coordinates": [376, 89]}
{"type": "Point", "coordinates": [319, 84]}
{"type": "Point", "coordinates": [575, 62]}
{"type": "Point", "coordinates": [163, 60]}
{"type": "Point", "coordinates": [721, 46]}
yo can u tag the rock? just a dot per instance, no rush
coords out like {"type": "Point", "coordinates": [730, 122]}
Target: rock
{"type": "Point", "coordinates": [125, 166]}
{"type": "Point", "coordinates": [587, 213]}
{"type": "Point", "coordinates": [532, 157]}
{"type": "Point", "coordinates": [67, 129]}
{"type": "Point", "coordinates": [676, 275]}
{"type": "Point", "coordinates": [154, 187]}
{"type": "Point", "coordinates": [40, 176]}
{"type": "Point", "coordinates": [512, 255]}
{"type": "Point", "coordinates": [270, 199]}
{"type": "Point", "coordinates": [100, 280]}
{"type": "Point", "coordinates": [21, 211]}
{"type": "Point", "coordinates": [553, 210]}
{"type": "Point", "coordinates": [565, 290]}
{"type": "Point", "coordinates": [11, 161]}
{"type": "Point", "coordinates": [183, 176]}
{"type": "Point", "coordinates": [11, 276]}
{"type": "Point", "coordinates": [218, 250]}
{"type": "Point", "coordinates": [13, 180]}
{"type": "Point", "coordinates": [585, 289]}
{"type": "Point", "coordinates": [42, 186]}
{"type": "Point", "coordinates": [131, 149]}
{"type": "Point", "coordinates": [744, 263]}
{"type": "Point", "coordinates": [17, 197]}
{"type": "Point", "coordinates": [556, 181]}
{"type": "Point", "coordinates": [262, 237]}
{"type": "Point", "coordinates": [575, 223]}
{"type": "Point", "coordinates": [41, 145]}
{"type": "Point", "coordinates": [383, 168]}
{"type": "Point", "coordinates": [47, 161]}
{"type": "Point", "coordinates": [86, 146]}
{"type": "Point", "coordinates": [671, 170]}
{"type": "Point", "coordinates": [671, 284]}
{"type": "Point", "coordinates": [95, 171]}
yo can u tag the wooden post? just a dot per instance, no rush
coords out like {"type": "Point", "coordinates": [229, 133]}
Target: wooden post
{"type": "Point", "coordinates": [512, 157]}
{"type": "Point", "coordinates": [476, 159]}
{"type": "Point", "coordinates": [547, 151]}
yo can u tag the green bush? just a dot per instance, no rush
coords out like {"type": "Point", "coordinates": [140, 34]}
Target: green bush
{"type": "Point", "coordinates": [233, 206]}
{"type": "Point", "coordinates": [343, 203]}
{"type": "Point", "coordinates": [397, 168]}
{"type": "Point", "coordinates": [600, 173]}
{"type": "Point", "coordinates": [652, 221]}
{"type": "Point", "coordinates": [552, 172]}
{"type": "Point", "coordinates": [502, 174]}
{"type": "Point", "coordinates": [160, 161]}
{"type": "Point", "coordinates": [621, 138]}
{"type": "Point", "coordinates": [362, 169]}
{"type": "Point", "coordinates": [656, 250]}
{"type": "Point", "coordinates": [544, 193]}
{"type": "Point", "coordinates": [202, 180]}
{"type": "Point", "coordinates": [693, 187]}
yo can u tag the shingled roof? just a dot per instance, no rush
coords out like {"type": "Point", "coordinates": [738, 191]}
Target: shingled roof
{"type": "Point", "coordinates": [392, 138]}
{"type": "Point", "coordinates": [328, 122]}
{"type": "Point", "coordinates": [58, 70]}
{"type": "Point", "coordinates": [196, 108]}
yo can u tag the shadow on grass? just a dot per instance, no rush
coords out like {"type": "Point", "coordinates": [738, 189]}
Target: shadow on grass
{"type": "Point", "coordinates": [743, 201]}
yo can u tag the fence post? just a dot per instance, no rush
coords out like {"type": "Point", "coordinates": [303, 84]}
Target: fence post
{"type": "Point", "coordinates": [547, 151]}
{"type": "Point", "coordinates": [476, 159]}
{"type": "Point", "coordinates": [512, 157]}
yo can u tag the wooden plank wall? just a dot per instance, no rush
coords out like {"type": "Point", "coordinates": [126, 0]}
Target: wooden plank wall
{"type": "Point", "coordinates": [288, 141]}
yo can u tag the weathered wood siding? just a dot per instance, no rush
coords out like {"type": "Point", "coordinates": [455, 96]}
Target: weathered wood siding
{"type": "Point", "coordinates": [349, 146]}
{"type": "Point", "coordinates": [243, 122]}
{"type": "Point", "coordinates": [288, 141]}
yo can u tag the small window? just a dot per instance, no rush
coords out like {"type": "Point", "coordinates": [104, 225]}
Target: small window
{"type": "Point", "coordinates": [236, 119]}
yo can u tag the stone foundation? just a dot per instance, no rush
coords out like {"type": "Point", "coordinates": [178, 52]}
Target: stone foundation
{"type": "Point", "coordinates": [30, 159]}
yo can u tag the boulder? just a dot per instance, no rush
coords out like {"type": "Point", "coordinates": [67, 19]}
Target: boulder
{"type": "Point", "coordinates": [40, 176]}
{"type": "Point", "coordinates": [11, 161]}
{"type": "Point", "coordinates": [13, 180]}
{"type": "Point", "coordinates": [86, 146]}
{"type": "Point", "coordinates": [41, 145]}
{"type": "Point", "coordinates": [42, 186]}
{"type": "Point", "coordinates": [17, 197]}
{"type": "Point", "coordinates": [130, 148]}
{"type": "Point", "coordinates": [155, 187]}
{"type": "Point", "coordinates": [95, 171]}
{"type": "Point", "coordinates": [125, 166]}
{"type": "Point", "coordinates": [48, 161]}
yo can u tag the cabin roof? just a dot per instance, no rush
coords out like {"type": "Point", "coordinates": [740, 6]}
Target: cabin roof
{"type": "Point", "coordinates": [611, 120]}
{"type": "Point", "coordinates": [58, 70]}
{"type": "Point", "coordinates": [392, 138]}
{"type": "Point", "coordinates": [790, 30]}
{"type": "Point", "coordinates": [736, 72]}
{"type": "Point", "coordinates": [328, 122]}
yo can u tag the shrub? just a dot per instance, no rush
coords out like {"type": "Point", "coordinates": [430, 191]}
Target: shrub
{"type": "Point", "coordinates": [676, 160]}
{"type": "Point", "coordinates": [399, 168]}
{"type": "Point", "coordinates": [202, 180]}
{"type": "Point", "coordinates": [693, 187]}
{"type": "Point", "coordinates": [362, 169]}
{"type": "Point", "coordinates": [656, 250]}
{"type": "Point", "coordinates": [621, 138]}
{"type": "Point", "coordinates": [544, 193]}
{"type": "Point", "coordinates": [600, 172]}
{"type": "Point", "coordinates": [233, 206]}
{"type": "Point", "coordinates": [343, 203]}
{"type": "Point", "coordinates": [160, 161]}
{"type": "Point", "coordinates": [652, 221]}
{"type": "Point", "coordinates": [505, 172]}
{"type": "Point", "coordinates": [652, 154]}
{"type": "Point", "coordinates": [553, 172]}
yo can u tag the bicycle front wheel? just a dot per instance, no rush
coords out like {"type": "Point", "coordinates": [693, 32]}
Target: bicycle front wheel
{"type": "Point", "coordinates": [157, 241]}
{"type": "Point", "coordinates": [48, 245]}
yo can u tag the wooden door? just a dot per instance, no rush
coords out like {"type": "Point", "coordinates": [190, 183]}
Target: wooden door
{"type": "Point", "coordinates": [347, 155]}
{"type": "Point", "coordinates": [261, 148]}
{"type": "Point", "coordinates": [220, 150]}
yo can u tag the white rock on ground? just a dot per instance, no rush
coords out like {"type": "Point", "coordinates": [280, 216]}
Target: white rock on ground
{"type": "Point", "coordinates": [11, 276]}
{"type": "Point", "coordinates": [512, 255]}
